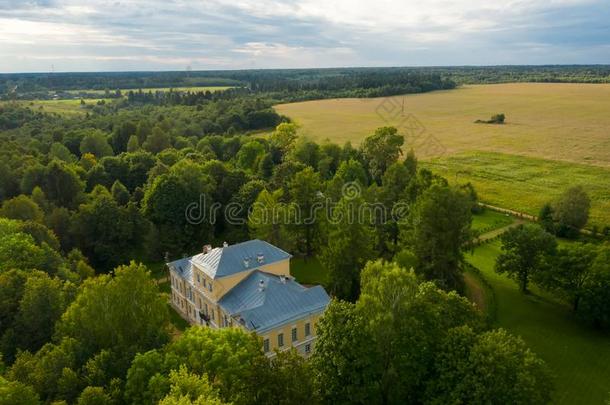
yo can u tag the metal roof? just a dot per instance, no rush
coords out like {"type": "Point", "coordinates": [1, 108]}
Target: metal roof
{"type": "Point", "coordinates": [183, 268]}
{"type": "Point", "coordinates": [232, 259]}
{"type": "Point", "coordinates": [262, 301]}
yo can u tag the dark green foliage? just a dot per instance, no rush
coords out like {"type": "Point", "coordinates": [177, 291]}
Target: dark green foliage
{"type": "Point", "coordinates": [107, 232]}
{"type": "Point", "coordinates": [59, 182]}
{"type": "Point", "coordinates": [304, 193]}
{"type": "Point", "coordinates": [180, 210]}
{"type": "Point", "coordinates": [571, 212]}
{"type": "Point", "coordinates": [486, 368]}
{"type": "Point", "coordinates": [344, 361]}
{"type": "Point", "coordinates": [40, 307]}
{"type": "Point", "coordinates": [120, 193]}
{"type": "Point", "coordinates": [436, 231]}
{"type": "Point", "coordinates": [526, 251]}
{"type": "Point", "coordinates": [51, 371]}
{"type": "Point", "coordinates": [95, 143]}
{"type": "Point", "coordinates": [568, 272]}
{"type": "Point", "coordinates": [545, 218]}
{"type": "Point", "coordinates": [495, 119]}
{"type": "Point", "coordinates": [380, 150]}
{"type": "Point", "coordinates": [350, 245]}
{"type": "Point", "coordinates": [595, 301]}
{"type": "Point", "coordinates": [406, 342]}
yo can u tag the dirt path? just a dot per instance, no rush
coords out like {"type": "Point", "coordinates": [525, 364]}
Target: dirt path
{"type": "Point", "coordinates": [497, 232]}
{"type": "Point", "coordinates": [514, 213]}
{"type": "Point", "coordinates": [474, 291]}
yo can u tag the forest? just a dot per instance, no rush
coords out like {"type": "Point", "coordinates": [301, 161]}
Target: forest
{"type": "Point", "coordinates": [302, 84]}
{"type": "Point", "coordinates": [91, 203]}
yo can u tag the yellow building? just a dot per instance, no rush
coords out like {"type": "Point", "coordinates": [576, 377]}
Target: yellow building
{"type": "Point", "coordinates": [248, 285]}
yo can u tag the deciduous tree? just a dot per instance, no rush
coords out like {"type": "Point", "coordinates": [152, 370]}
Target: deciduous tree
{"type": "Point", "coordinates": [350, 244]}
{"type": "Point", "coordinates": [525, 251]}
{"type": "Point", "coordinates": [571, 211]}
{"type": "Point", "coordinates": [488, 367]}
{"type": "Point", "coordinates": [124, 313]}
{"type": "Point", "coordinates": [436, 230]}
{"type": "Point", "coordinates": [304, 194]}
{"type": "Point", "coordinates": [381, 149]}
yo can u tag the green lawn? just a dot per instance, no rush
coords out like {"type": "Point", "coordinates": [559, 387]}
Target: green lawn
{"type": "Point", "coordinates": [308, 271]}
{"type": "Point", "coordinates": [490, 220]}
{"type": "Point", "coordinates": [578, 355]}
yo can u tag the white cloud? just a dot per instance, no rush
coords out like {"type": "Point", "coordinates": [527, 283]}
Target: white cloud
{"type": "Point", "coordinates": [116, 34]}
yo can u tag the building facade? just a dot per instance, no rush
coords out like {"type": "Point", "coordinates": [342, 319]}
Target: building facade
{"type": "Point", "coordinates": [248, 285]}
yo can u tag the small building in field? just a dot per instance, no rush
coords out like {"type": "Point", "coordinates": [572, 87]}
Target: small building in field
{"type": "Point", "coordinates": [248, 285]}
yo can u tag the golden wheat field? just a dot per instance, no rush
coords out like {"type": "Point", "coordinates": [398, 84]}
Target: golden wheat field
{"type": "Point", "coordinates": [566, 126]}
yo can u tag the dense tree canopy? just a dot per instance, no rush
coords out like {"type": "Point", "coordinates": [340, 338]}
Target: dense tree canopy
{"type": "Point", "coordinates": [406, 341]}
{"type": "Point", "coordinates": [162, 173]}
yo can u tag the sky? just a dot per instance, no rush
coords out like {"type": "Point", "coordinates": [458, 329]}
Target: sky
{"type": "Point", "coordinates": [101, 35]}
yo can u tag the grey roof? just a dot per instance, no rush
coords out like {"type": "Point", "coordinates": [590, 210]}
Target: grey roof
{"type": "Point", "coordinates": [278, 302]}
{"type": "Point", "coordinates": [183, 268]}
{"type": "Point", "coordinates": [225, 261]}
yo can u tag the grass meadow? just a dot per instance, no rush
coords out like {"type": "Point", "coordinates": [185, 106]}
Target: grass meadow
{"type": "Point", "coordinates": [490, 220]}
{"type": "Point", "coordinates": [73, 106]}
{"type": "Point", "coordinates": [555, 136]}
{"type": "Point", "coordinates": [525, 184]}
{"type": "Point", "coordinates": [578, 355]}
{"type": "Point", "coordinates": [154, 89]}
{"type": "Point", "coordinates": [68, 107]}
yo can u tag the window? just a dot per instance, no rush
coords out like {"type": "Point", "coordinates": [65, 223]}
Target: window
{"type": "Point", "coordinates": [205, 309]}
{"type": "Point", "coordinates": [210, 287]}
{"type": "Point", "coordinates": [204, 283]}
{"type": "Point", "coordinates": [308, 348]}
{"type": "Point", "coordinates": [307, 329]}
{"type": "Point", "coordinates": [266, 345]}
{"type": "Point", "coordinates": [198, 278]}
{"type": "Point", "coordinates": [294, 334]}
{"type": "Point", "coordinates": [280, 339]}
{"type": "Point", "coordinates": [198, 302]}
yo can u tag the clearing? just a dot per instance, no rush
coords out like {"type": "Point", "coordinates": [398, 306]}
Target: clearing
{"type": "Point", "coordinates": [578, 355]}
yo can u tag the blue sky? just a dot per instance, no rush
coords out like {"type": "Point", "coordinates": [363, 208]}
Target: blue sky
{"type": "Point", "coordinates": [95, 35]}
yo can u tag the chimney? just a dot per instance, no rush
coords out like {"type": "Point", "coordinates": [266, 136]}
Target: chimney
{"type": "Point", "coordinates": [282, 279]}
{"type": "Point", "coordinates": [261, 285]}
{"type": "Point", "coordinates": [207, 248]}
{"type": "Point", "coordinates": [246, 262]}
{"type": "Point", "coordinates": [260, 258]}
{"type": "Point", "coordinates": [225, 244]}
